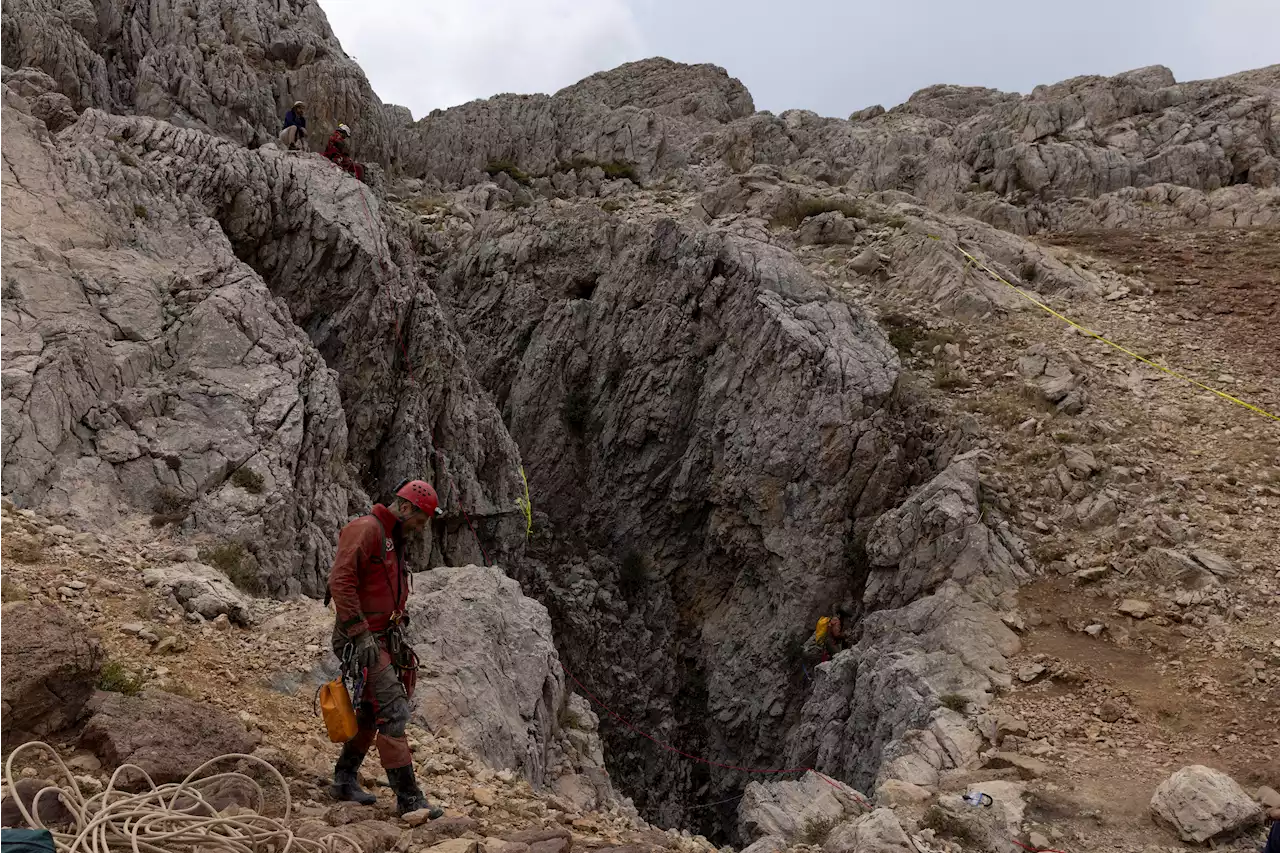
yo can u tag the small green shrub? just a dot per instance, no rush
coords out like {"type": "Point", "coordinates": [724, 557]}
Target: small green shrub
{"type": "Point", "coordinates": [511, 169]}
{"type": "Point", "coordinates": [247, 479]}
{"type": "Point", "coordinates": [947, 378]}
{"type": "Point", "coordinates": [633, 571]}
{"type": "Point", "coordinates": [816, 830]}
{"type": "Point", "coordinates": [612, 205]}
{"type": "Point", "coordinates": [904, 333]}
{"type": "Point", "coordinates": [955, 702]}
{"type": "Point", "coordinates": [171, 506]}
{"type": "Point", "coordinates": [618, 170]}
{"type": "Point", "coordinates": [115, 678]}
{"type": "Point", "coordinates": [11, 289]}
{"type": "Point", "coordinates": [576, 410]}
{"type": "Point", "coordinates": [140, 212]}
{"type": "Point", "coordinates": [1028, 271]}
{"type": "Point", "coordinates": [231, 559]}
{"type": "Point", "coordinates": [12, 591]}
{"type": "Point", "coordinates": [427, 204]}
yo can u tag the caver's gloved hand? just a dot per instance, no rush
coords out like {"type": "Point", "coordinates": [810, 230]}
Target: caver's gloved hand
{"type": "Point", "coordinates": [365, 651]}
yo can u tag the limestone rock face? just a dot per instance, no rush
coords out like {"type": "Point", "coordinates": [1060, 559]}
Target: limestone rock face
{"type": "Point", "coordinates": [145, 364]}
{"type": "Point", "coordinates": [646, 115]}
{"type": "Point", "coordinates": [784, 809]}
{"type": "Point", "coordinates": [629, 357]}
{"type": "Point", "coordinates": [230, 68]}
{"type": "Point", "coordinates": [490, 676]}
{"type": "Point", "coordinates": [874, 714]}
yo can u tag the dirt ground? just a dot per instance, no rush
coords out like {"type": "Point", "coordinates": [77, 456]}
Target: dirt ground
{"type": "Point", "coordinates": [1117, 713]}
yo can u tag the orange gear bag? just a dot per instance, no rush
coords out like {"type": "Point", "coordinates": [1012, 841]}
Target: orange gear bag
{"type": "Point", "coordinates": [338, 713]}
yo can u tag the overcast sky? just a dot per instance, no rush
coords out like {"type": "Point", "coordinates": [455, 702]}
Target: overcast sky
{"type": "Point", "coordinates": [830, 56]}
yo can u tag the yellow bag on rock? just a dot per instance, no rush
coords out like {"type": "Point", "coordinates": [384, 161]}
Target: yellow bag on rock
{"type": "Point", "coordinates": [339, 715]}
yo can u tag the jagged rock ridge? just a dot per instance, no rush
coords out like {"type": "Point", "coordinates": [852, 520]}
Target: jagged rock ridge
{"type": "Point", "coordinates": [702, 421]}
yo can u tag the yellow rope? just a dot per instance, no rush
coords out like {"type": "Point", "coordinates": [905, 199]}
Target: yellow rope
{"type": "Point", "coordinates": [1224, 395]}
{"type": "Point", "coordinates": [526, 505]}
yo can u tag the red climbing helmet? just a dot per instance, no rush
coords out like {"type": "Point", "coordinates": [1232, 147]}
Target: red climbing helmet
{"type": "Point", "coordinates": [420, 494]}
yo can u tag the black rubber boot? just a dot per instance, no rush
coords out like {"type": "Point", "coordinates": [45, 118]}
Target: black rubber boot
{"type": "Point", "coordinates": [346, 780]}
{"type": "Point", "coordinates": [409, 796]}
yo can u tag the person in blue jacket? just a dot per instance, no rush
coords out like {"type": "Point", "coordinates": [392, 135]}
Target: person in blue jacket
{"type": "Point", "coordinates": [1273, 838]}
{"type": "Point", "coordinates": [295, 127]}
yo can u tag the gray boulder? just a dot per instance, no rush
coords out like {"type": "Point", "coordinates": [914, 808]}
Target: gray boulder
{"type": "Point", "coordinates": [491, 678]}
{"type": "Point", "coordinates": [51, 664]}
{"type": "Point", "coordinates": [784, 809]}
{"type": "Point", "coordinates": [165, 735]}
{"type": "Point", "coordinates": [200, 589]}
{"type": "Point", "coordinates": [877, 832]}
{"type": "Point", "coordinates": [1201, 803]}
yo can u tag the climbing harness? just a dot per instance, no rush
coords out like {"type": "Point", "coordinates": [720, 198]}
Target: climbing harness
{"type": "Point", "coordinates": [403, 657]}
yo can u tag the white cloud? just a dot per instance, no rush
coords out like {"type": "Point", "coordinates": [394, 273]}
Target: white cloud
{"type": "Point", "coordinates": [426, 54]}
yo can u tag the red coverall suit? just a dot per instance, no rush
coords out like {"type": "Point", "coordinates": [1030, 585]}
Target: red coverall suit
{"type": "Point", "coordinates": [369, 584]}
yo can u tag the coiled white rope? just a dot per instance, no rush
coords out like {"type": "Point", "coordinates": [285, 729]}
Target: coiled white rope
{"type": "Point", "coordinates": [167, 818]}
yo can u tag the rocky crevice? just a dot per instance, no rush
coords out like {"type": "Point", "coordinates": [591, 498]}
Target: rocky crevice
{"type": "Point", "coordinates": [704, 426]}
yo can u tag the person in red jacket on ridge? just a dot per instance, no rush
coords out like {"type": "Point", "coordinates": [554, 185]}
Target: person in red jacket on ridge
{"type": "Point", "coordinates": [369, 586]}
{"type": "Point", "coordinates": [337, 150]}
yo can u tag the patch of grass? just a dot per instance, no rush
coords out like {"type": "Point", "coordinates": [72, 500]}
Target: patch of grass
{"type": "Point", "coordinates": [904, 333]}
{"type": "Point", "coordinates": [791, 217]}
{"type": "Point", "coordinates": [26, 550]}
{"type": "Point", "coordinates": [613, 205]}
{"type": "Point", "coordinates": [171, 506]}
{"type": "Point", "coordinates": [427, 204]}
{"type": "Point", "coordinates": [511, 169]}
{"type": "Point", "coordinates": [12, 591]}
{"type": "Point", "coordinates": [633, 571]}
{"type": "Point", "coordinates": [948, 378]}
{"type": "Point", "coordinates": [576, 409]}
{"type": "Point", "coordinates": [140, 212]}
{"type": "Point", "coordinates": [816, 830]}
{"type": "Point", "coordinates": [946, 824]}
{"type": "Point", "coordinates": [620, 170]}
{"type": "Point", "coordinates": [231, 559]}
{"type": "Point", "coordinates": [614, 170]}
{"type": "Point", "coordinates": [247, 479]}
{"type": "Point", "coordinates": [115, 678]}
{"type": "Point", "coordinates": [954, 702]}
